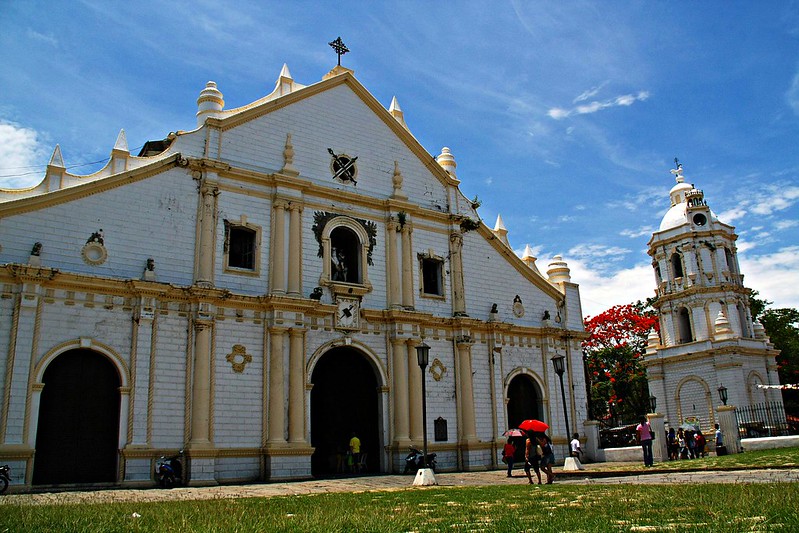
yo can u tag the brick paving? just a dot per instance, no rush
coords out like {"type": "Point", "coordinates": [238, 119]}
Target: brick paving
{"type": "Point", "coordinates": [594, 474]}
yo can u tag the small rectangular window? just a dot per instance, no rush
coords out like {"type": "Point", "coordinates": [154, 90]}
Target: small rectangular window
{"type": "Point", "coordinates": [240, 247]}
{"type": "Point", "coordinates": [432, 279]}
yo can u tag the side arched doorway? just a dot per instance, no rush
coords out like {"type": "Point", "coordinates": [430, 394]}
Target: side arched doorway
{"type": "Point", "coordinates": [77, 438]}
{"type": "Point", "coordinates": [345, 398]}
{"type": "Point", "coordinates": [524, 402]}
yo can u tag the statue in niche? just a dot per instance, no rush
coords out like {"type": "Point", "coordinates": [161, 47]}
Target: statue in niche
{"type": "Point", "coordinates": [150, 264]}
{"type": "Point", "coordinates": [97, 237]}
{"type": "Point", "coordinates": [339, 272]}
{"type": "Point", "coordinates": [37, 249]}
{"type": "Point", "coordinates": [494, 309]}
{"type": "Point", "coordinates": [316, 294]}
{"type": "Point", "coordinates": [546, 315]}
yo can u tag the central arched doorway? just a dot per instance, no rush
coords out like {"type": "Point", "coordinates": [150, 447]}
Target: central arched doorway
{"type": "Point", "coordinates": [345, 398]}
{"type": "Point", "coordinates": [77, 438]}
{"type": "Point", "coordinates": [524, 402]}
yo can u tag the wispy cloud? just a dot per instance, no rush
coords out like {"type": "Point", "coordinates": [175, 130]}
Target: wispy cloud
{"type": "Point", "coordinates": [624, 100]}
{"type": "Point", "coordinates": [773, 275]}
{"type": "Point", "coordinates": [636, 233]}
{"type": "Point", "coordinates": [46, 38]}
{"type": "Point", "coordinates": [601, 254]}
{"type": "Point", "coordinates": [785, 224]}
{"type": "Point", "coordinates": [792, 96]}
{"type": "Point", "coordinates": [590, 93]}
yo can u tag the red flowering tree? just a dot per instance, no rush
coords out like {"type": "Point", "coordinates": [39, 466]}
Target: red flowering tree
{"type": "Point", "coordinates": [613, 354]}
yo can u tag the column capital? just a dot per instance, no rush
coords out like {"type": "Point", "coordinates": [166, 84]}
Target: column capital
{"type": "Point", "coordinates": [294, 332]}
{"type": "Point", "coordinates": [277, 330]}
{"type": "Point", "coordinates": [280, 203]}
{"type": "Point", "coordinates": [295, 205]}
{"type": "Point", "coordinates": [209, 187]}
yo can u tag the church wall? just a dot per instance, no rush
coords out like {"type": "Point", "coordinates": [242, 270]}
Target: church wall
{"type": "Point", "coordinates": [170, 395]}
{"type": "Point", "coordinates": [441, 395]}
{"type": "Point", "coordinates": [6, 320]}
{"type": "Point", "coordinates": [238, 397]}
{"type": "Point", "coordinates": [165, 233]}
{"type": "Point", "coordinates": [438, 242]}
{"type": "Point", "coordinates": [483, 267]}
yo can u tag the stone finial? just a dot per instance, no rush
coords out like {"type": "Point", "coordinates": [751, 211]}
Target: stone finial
{"type": "Point", "coordinates": [722, 328]}
{"type": "Point", "coordinates": [529, 259]}
{"type": "Point", "coordinates": [285, 83]}
{"type": "Point", "coordinates": [760, 331]}
{"type": "Point", "coordinates": [501, 231]}
{"type": "Point", "coordinates": [288, 159]}
{"type": "Point", "coordinates": [396, 112]}
{"type": "Point", "coordinates": [122, 142]}
{"type": "Point", "coordinates": [558, 271]}
{"type": "Point", "coordinates": [447, 161]}
{"type": "Point", "coordinates": [56, 160]}
{"type": "Point", "coordinates": [209, 103]}
{"type": "Point", "coordinates": [652, 343]}
{"type": "Point", "coordinates": [396, 181]}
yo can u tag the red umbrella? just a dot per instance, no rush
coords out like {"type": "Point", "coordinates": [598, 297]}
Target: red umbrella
{"type": "Point", "coordinates": [534, 425]}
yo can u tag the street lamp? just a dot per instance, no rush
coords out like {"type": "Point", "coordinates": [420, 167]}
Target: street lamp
{"type": "Point", "coordinates": [653, 404]}
{"type": "Point", "coordinates": [423, 357]}
{"type": "Point", "coordinates": [723, 394]}
{"type": "Point", "coordinates": [558, 362]}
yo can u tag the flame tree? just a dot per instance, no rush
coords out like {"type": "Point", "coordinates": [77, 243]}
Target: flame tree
{"type": "Point", "coordinates": [613, 359]}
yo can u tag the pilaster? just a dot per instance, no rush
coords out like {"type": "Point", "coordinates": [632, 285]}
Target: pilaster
{"type": "Point", "coordinates": [407, 266]}
{"type": "Point", "coordinates": [278, 259]}
{"type": "Point", "coordinates": [296, 385]}
{"type": "Point", "coordinates": [295, 249]}
{"type": "Point", "coordinates": [400, 391]}
{"type": "Point", "coordinates": [277, 397]}
{"type": "Point", "coordinates": [414, 392]}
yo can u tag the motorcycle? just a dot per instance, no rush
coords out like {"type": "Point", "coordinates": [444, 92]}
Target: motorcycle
{"type": "Point", "coordinates": [4, 478]}
{"type": "Point", "coordinates": [414, 461]}
{"type": "Point", "coordinates": [169, 470]}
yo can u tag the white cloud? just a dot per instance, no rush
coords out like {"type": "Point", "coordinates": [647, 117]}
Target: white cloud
{"type": "Point", "coordinates": [601, 291]}
{"type": "Point", "coordinates": [20, 151]}
{"type": "Point", "coordinates": [635, 233]}
{"type": "Point", "coordinates": [48, 38]}
{"type": "Point", "coordinates": [775, 275]}
{"type": "Point", "coordinates": [774, 197]}
{"type": "Point", "coordinates": [598, 252]}
{"type": "Point", "coordinates": [785, 224]}
{"type": "Point", "coordinates": [625, 100]}
{"type": "Point", "coordinates": [731, 215]}
{"type": "Point", "coordinates": [593, 91]}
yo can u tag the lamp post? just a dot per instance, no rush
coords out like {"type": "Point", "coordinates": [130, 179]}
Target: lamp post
{"type": "Point", "coordinates": [723, 394]}
{"type": "Point", "coordinates": [653, 404]}
{"type": "Point", "coordinates": [423, 357]}
{"type": "Point", "coordinates": [558, 363]}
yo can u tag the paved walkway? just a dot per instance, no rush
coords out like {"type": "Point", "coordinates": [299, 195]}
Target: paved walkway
{"type": "Point", "coordinates": [594, 474]}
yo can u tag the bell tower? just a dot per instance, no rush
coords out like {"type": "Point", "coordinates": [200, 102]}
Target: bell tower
{"type": "Point", "coordinates": [707, 336]}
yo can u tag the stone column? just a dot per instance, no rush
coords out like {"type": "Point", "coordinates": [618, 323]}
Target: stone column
{"type": "Point", "coordinates": [466, 391]}
{"type": "Point", "coordinates": [295, 249]}
{"type": "Point", "coordinates": [407, 267]}
{"type": "Point", "coordinates": [277, 399]}
{"type": "Point", "coordinates": [393, 266]}
{"type": "Point", "coordinates": [296, 385]}
{"type": "Point", "coordinates": [456, 261]}
{"type": "Point", "coordinates": [205, 269]}
{"type": "Point", "coordinates": [143, 350]}
{"type": "Point", "coordinates": [728, 422]}
{"type": "Point", "coordinates": [414, 393]}
{"type": "Point", "coordinates": [400, 390]}
{"type": "Point", "coordinates": [660, 453]}
{"type": "Point", "coordinates": [201, 385]}
{"type": "Point", "coordinates": [278, 260]}
{"type": "Point", "coordinates": [590, 439]}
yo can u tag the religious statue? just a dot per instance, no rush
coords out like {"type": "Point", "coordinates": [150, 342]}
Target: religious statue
{"type": "Point", "coordinates": [339, 265]}
{"type": "Point", "coordinates": [37, 249]}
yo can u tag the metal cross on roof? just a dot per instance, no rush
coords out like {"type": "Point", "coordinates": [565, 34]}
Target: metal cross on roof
{"type": "Point", "coordinates": [340, 48]}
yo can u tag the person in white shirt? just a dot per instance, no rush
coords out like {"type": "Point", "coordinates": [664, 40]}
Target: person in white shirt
{"type": "Point", "coordinates": [576, 450]}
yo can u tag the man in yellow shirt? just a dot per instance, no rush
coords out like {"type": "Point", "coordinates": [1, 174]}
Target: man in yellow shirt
{"type": "Point", "coordinates": [355, 451]}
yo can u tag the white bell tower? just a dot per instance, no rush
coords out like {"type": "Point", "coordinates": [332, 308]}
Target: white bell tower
{"type": "Point", "coordinates": [707, 337]}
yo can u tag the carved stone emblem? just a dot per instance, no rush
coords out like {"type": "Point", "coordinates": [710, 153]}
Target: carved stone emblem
{"type": "Point", "coordinates": [238, 358]}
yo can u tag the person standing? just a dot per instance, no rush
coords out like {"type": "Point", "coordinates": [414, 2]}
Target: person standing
{"type": "Point", "coordinates": [574, 446]}
{"type": "Point", "coordinates": [532, 458]}
{"type": "Point", "coordinates": [644, 434]}
{"type": "Point", "coordinates": [355, 451]}
{"type": "Point", "coordinates": [508, 453]}
{"type": "Point", "coordinates": [548, 457]}
{"type": "Point", "coordinates": [720, 448]}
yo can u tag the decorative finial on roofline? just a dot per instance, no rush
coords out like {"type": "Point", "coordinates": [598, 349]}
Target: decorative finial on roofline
{"type": "Point", "coordinates": [340, 48]}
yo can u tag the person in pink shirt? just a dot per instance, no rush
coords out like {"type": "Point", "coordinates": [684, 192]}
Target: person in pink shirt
{"type": "Point", "coordinates": [644, 433]}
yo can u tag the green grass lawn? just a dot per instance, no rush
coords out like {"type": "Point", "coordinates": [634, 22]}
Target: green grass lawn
{"type": "Point", "coordinates": [573, 508]}
{"type": "Point", "coordinates": [781, 457]}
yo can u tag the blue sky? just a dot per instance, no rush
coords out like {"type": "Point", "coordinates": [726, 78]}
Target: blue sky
{"type": "Point", "coordinates": [564, 117]}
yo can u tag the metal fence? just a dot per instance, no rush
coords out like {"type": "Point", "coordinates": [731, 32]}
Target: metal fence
{"type": "Point", "coordinates": [764, 420]}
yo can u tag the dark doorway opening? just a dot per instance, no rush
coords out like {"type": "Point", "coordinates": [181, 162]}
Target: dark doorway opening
{"type": "Point", "coordinates": [78, 433]}
{"type": "Point", "coordinates": [344, 399]}
{"type": "Point", "coordinates": [524, 402]}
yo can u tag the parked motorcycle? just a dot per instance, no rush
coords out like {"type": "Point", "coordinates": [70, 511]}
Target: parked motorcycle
{"type": "Point", "coordinates": [169, 471]}
{"type": "Point", "coordinates": [4, 478]}
{"type": "Point", "coordinates": [414, 461]}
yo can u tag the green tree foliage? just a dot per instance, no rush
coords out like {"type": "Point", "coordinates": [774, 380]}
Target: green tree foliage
{"type": "Point", "coordinates": [782, 328]}
{"type": "Point", "coordinates": [613, 357]}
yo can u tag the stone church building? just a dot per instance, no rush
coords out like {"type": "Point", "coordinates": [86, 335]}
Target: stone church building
{"type": "Point", "coordinates": [253, 291]}
{"type": "Point", "coordinates": [708, 339]}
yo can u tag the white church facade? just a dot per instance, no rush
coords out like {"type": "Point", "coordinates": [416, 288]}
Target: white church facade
{"type": "Point", "coordinates": [708, 340]}
{"type": "Point", "coordinates": [253, 290]}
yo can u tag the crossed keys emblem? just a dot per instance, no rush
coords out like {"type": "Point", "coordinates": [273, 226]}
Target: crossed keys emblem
{"type": "Point", "coordinates": [343, 167]}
